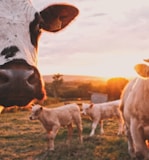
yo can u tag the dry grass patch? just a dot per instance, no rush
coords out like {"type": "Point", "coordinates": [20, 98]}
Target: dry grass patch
{"type": "Point", "coordinates": [22, 139]}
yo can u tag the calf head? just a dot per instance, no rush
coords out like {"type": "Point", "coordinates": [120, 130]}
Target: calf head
{"type": "Point", "coordinates": [20, 29]}
{"type": "Point", "coordinates": [86, 108]}
{"type": "Point", "coordinates": [36, 110]}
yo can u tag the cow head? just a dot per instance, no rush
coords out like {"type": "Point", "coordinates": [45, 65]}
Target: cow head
{"type": "Point", "coordinates": [20, 29]}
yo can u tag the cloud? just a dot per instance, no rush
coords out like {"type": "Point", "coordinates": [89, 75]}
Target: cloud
{"type": "Point", "coordinates": [100, 32]}
{"type": "Point", "coordinates": [98, 14]}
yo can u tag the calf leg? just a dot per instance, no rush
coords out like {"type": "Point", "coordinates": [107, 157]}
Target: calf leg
{"type": "Point", "coordinates": [78, 122]}
{"type": "Point", "coordinates": [70, 130]}
{"type": "Point", "coordinates": [94, 126]}
{"type": "Point", "coordinates": [51, 137]}
{"type": "Point", "coordinates": [80, 129]}
{"type": "Point", "coordinates": [101, 127]}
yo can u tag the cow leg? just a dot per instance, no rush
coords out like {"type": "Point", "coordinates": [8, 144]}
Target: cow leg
{"type": "Point", "coordinates": [51, 137]}
{"type": "Point", "coordinates": [121, 127]}
{"type": "Point", "coordinates": [130, 143]}
{"type": "Point", "coordinates": [137, 133]}
{"type": "Point", "coordinates": [94, 126]}
{"type": "Point", "coordinates": [70, 131]}
{"type": "Point", "coordinates": [101, 127]}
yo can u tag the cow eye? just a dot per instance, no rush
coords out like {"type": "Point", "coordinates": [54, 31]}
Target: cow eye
{"type": "Point", "coordinates": [34, 28]}
{"type": "Point", "coordinates": [38, 28]}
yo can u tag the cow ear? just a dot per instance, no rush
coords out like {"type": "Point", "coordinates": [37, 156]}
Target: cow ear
{"type": "Point", "coordinates": [142, 70]}
{"type": "Point", "coordinates": [57, 16]}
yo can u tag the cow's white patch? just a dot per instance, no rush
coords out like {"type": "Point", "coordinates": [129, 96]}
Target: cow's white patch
{"type": "Point", "coordinates": [14, 30]}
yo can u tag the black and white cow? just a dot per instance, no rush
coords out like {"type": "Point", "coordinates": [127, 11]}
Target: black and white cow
{"type": "Point", "coordinates": [20, 28]}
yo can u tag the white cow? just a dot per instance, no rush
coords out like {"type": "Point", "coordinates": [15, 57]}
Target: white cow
{"type": "Point", "coordinates": [101, 111]}
{"type": "Point", "coordinates": [20, 28]}
{"type": "Point", "coordinates": [135, 109]}
{"type": "Point", "coordinates": [54, 118]}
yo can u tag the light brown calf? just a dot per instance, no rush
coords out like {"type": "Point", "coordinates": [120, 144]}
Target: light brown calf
{"type": "Point", "coordinates": [101, 111]}
{"type": "Point", "coordinates": [54, 118]}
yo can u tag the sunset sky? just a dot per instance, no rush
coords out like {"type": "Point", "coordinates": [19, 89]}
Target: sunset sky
{"type": "Point", "coordinates": [107, 39]}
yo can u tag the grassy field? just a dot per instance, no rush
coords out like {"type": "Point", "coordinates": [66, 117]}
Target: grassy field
{"type": "Point", "coordinates": [22, 139]}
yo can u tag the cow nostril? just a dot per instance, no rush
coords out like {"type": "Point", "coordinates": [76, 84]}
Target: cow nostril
{"type": "Point", "coordinates": [3, 77]}
{"type": "Point", "coordinates": [32, 78]}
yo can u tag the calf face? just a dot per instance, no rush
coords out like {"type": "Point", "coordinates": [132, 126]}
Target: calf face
{"type": "Point", "coordinates": [20, 29]}
{"type": "Point", "coordinates": [86, 108]}
{"type": "Point", "coordinates": [36, 110]}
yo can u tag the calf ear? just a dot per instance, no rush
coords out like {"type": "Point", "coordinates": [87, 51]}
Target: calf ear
{"type": "Point", "coordinates": [91, 105]}
{"type": "Point", "coordinates": [41, 108]}
{"type": "Point", "coordinates": [58, 16]}
{"type": "Point", "coordinates": [142, 70]}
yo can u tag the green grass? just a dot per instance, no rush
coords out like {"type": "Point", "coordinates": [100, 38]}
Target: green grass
{"type": "Point", "coordinates": [22, 139]}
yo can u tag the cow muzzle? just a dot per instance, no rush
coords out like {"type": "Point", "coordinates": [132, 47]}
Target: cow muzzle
{"type": "Point", "coordinates": [20, 84]}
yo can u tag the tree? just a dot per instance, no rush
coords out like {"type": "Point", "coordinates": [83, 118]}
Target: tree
{"type": "Point", "coordinates": [115, 87]}
{"type": "Point", "coordinates": [56, 84]}
{"type": "Point", "coordinates": [84, 89]}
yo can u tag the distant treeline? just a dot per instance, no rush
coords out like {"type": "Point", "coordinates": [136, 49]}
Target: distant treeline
{"type": "Point", "coordinates": [60, 89]}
